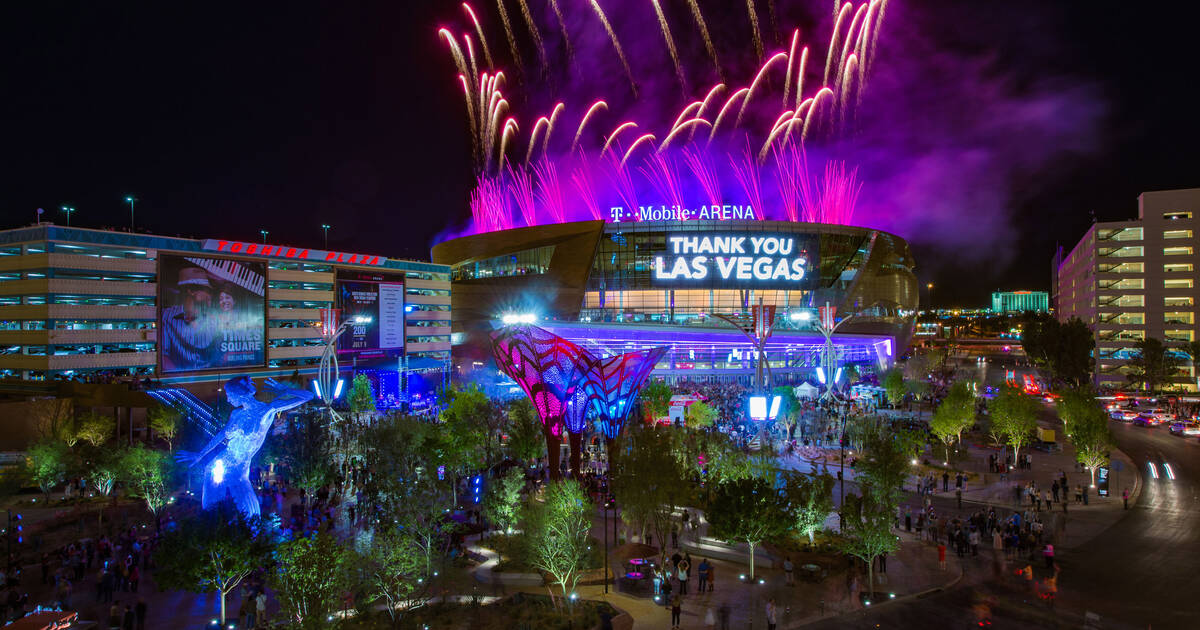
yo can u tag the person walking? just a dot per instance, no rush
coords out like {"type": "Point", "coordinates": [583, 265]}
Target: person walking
{"type": "Point", "coordinates": [941, 549]}
{"type": "Point", "coordinates": [1054, 490]}
{"type": "Point", "coordinates": [771, 614]}
{"type": "Point", "coordinates": [139, 611]}
{"type": "Point", "coordinates": [945, 482]}
{"type": "Point", "coordinates": [676, 610]}
{"type": "Point", "coordinates": [703, 569]}
{"type": "Point", "coordinates": [1085, 495]}
{"type": "Point", "coordinates": [1048, 554]}
{"type": "Point", "coordinates": [958, 495]}
{"type": "Point", "coordinates": [788, 567]}
{"type": "Point", "coordinates": [1125, 498]}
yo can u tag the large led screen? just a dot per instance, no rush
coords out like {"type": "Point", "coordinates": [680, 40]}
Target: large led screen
{"type": "Point", "coordinates": [737, 260]}
{"type": "Point", "coordinates": [212, 313]}
{"type": "Point", "coordinates": [374, 304]}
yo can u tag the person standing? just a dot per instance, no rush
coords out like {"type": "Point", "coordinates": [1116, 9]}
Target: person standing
{"type": "Point", "coordinates": [139, 611]}
{"type": "Point", "coordinates": [788, 567]}
{"type": "Point", "coordinates": [128, 619]}
{"type": "Point", "coordinates": [945, 482]}
{"type": "Point", "coordinates": [1054, 490]}
{"type": "Point", "coordinates": [712, 576]}
{"type": "Point", "coordinates": [683, 576]}
{"type": "Point", "coordinates": [1085, 495]}
{"type": "Point", "coordinates": [771, 614]}
{"type": "Point", "coordinates": [260, 608]}
{"type": "Point", "coordinates": [704, 567]}
{"type": "Point", "coordinates": [676, 609]}
{"type": "Point", "coordinates": [941, 549]}
{"type": "Point", "coordinates": [1125, 498]}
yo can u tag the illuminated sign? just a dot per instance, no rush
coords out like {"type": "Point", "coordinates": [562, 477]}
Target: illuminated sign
{"type": "Point", "coordinates": [715, 212]}
{"type": "Point", "coordinates": [716, 260]}
{"type": "Point", "coordinates": [282, 251]}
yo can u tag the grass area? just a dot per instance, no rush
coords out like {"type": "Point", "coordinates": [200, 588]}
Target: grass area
{"type": "Point", "coordinates": [522, 611]}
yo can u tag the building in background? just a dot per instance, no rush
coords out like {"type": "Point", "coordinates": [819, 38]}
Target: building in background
{"type": "Point", "coordinates": [615, 287]}
{"type": "Point", "coordinates": [1130, 280]}
{"type": "Point", "coordinates": [101, 306]}
{"type": "Point", "coordinates": [1020, 302]}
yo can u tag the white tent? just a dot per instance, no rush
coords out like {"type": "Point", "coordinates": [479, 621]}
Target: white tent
{"type": "Point", "coordinates": [805, 390]}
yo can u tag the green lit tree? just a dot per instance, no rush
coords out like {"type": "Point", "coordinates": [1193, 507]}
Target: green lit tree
{"type": "Point", "coordinates": [395, 569]}
{"type": "Point", "coordinates": [164, 421]}
{"type": "Point", "coordinates": [1074, 405]}
{"type": "Point", "coordinates": [1014, 417]}
{"type": "Point", "coordinates": [893, 385]}
{"type": "Point", "coordinates": [747, 511]}
{"type": "Point", "coordinates": [885, 465]}
{"type": "Point", "coordinates": [525, 438]}
{"type": "Point", "coordinates": [307, 451]}
{"type": "Point", "coordinates": [810, 502]}
{"type": "Point", "coordinates": [646, 484]}
{"type": "Point", "coordinates": [104, 468]}
{"type": "Point", "coordinates": [700, 415]}
{"type": "Point", "coordinates": [656, 398]}
{"type": "Point", "coordinates": [309, 578]}
{"type": "Point", "coordinates": [557, 533]}
{"type": "Point", "coordinates": [1093, 440]}
{"type": "Point", "coordinates": [503, 500]}
{"type": "Point", "coordinates": [474, 424]}
{"type": "Point", "coordinates": [46, 464]}
{"type": "Point", "coordinates": [954, 415]}
{"type": "Point", "coordinates": [1062, 351]}
{"type": "Point", "coordinates": [212, 551]}
{"type": "Point", "coordinates": [94, 429]}
{"type": "Point", "coordinates": [866, 530]}
{"type": "Point", "coordinates": [147, 471]}
{"type": "Point", "coordinates": [361, 397]}
{"type": "Point", "coordinates": [789, 408]}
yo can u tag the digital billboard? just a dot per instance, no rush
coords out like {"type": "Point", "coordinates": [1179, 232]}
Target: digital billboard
{"type": "Point", "coordinates": [716, 260]}
{"type": "Point", "coordinates": [212, 313]}
{"type": "Point", "coordinates": [374, 304]}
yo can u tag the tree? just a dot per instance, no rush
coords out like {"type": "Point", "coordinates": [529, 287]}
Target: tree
{"type": "Point", "coordinates": [306, 451]}
{"type": "Point", "coordinates": [1062, 350]}
{"type": "Point", "coordinates": [1192, 350]}
{"type": "Point", "coordinates": [212, 551]}
{"type": "Point", "coordinates": [1014, 417]}
{"type": "Point", "coordinates": [503, 500]}
{"type": "Point", "coordinates": [893, 385]}
{"type": "Point", "coordinates": [94, 429]}
{"type": "Point", "coordinates": [361, 398]}
{"type": "Point", "coordinates": [309, 578]}
{"type": "Point", "coordinates": [1074, 405]}
{"type": "Point", "coordinates": [525, 438]}
{"type": "Point", "coordinates": [789, 408]}
{"type": "Point", "coordinates": [104, 468]}
{"type": "Point", "coordinates": [473, 421]}
{"type": "Point", "coordinates": [147, 471]}
{"type": "Point", "coordinates": [955, 415]}
{"type": "Point", "coordinates": [1092, 438]}
{"type": "Point", "coordinates": [558, 533]}
{"type": "Point", "coordinates": [164, 421]}
{"type": "Point", "coordinates": [395, 569]}
{"type": "Point", "coordinates": [646, 484]}
{"type": "Point", "coordinates": [656, 398]}
{"type": "Point", "coordinates": [1152, 364]}
{"type": "Point", "coordinates": [885, 465]}
{"type": "Point", "coordinates": [46, 464]}
{"type": "Point", "coordinates": [701, 416]}
{"type": "Point", "coordinates": [867, 530]}
{"type": "Point", "coordinates": [747, 510]}
{"type": "Point", "coordinates": [54, 419]}
{"type": "Point", "coordinates": [810, 502]}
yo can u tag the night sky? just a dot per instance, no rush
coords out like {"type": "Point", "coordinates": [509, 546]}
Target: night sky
{"type": "Point", "coordinates": [227, 119]}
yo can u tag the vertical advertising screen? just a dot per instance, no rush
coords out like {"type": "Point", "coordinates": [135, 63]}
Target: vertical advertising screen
{"type": "Point", "coordinates": [374, 304]}
{"type": "Point", "coordinates": [212, 313]}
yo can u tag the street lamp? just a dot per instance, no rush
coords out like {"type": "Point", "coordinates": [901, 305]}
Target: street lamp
{"type": "Point", "coordinates": [130, 199]}
{"type": "Point", "coordinates": [68, 211]}
{"type": "Point", "coordinates": [930, 288]}
{"type": "Point", "coordinates": [264, 235]}
{"type": "Point", "coordinates": [325, 228]}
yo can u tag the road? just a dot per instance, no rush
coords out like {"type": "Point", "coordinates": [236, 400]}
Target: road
{"type": "Point", "coordinates": [1135, 574]}
{"type": "Point", "coordinates": [1135, 570]}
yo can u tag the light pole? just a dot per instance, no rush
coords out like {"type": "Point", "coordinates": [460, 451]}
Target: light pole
{"type": "Point", "coordinates": [68, 212]}
{"type": "Point", "coordinates": [325, 228]}
{"type": "Point", "coordinates": [930, 288]}
{"type": "Point", "coordinates": [264, 235]}
{"type": "Point", "coordinates": [130, 199]}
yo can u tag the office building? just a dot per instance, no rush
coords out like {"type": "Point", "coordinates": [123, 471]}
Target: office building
{"type": "Point", "coordinates": [1004, 302]}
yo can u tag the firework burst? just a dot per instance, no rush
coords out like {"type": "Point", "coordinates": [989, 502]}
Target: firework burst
{"type": "Point", "coordinates": [744, 140]}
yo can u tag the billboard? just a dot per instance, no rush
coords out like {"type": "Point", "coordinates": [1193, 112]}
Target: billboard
{"type": "Point", "coordinates": [374, 303]}
{"type": "Point", "coordinates": [212, 313]}
{"type": "Point", "coordinates": [751, 260]}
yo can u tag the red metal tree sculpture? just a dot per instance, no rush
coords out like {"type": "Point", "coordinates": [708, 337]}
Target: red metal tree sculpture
{"type": "Point", "coordinates": [552, 371]}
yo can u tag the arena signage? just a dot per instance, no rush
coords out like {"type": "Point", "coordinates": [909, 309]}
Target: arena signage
{"type": "Point", "coordinates": [737, 259]}
{"type": "Point", "coordinates": [715, 212]}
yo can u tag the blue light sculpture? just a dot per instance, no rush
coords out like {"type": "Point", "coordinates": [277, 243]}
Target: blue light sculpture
{"type": "Point", "coordinates": [227, 456]}
{"type": "Point", "coordinates": [613, 384]}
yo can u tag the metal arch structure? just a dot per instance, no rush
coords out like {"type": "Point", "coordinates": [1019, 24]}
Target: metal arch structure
{"type": "Point", "coordinates": [552, 372]}
{"type": "Point", "coordinates": [614, 383]}
{"type": "Point", "coordinates": [831, 363]}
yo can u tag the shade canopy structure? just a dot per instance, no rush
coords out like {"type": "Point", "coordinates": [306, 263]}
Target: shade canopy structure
{"type": "Point", "coordinates": [568, 385]}
{"type": "Point", "coordinates": [550, 370]}
{"type": "Point", "coordinates": [613, 384]}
